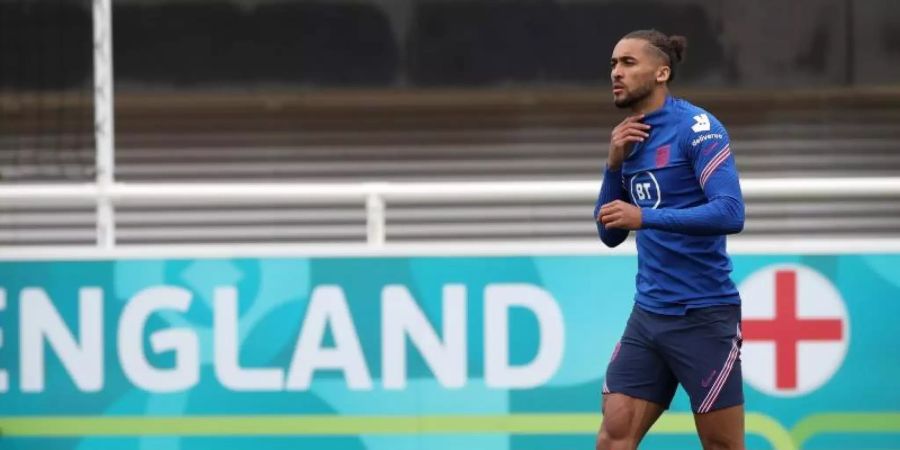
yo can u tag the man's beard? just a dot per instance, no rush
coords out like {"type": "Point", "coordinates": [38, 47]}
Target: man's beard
{"type": "Point", "coordinates": [641, 93]}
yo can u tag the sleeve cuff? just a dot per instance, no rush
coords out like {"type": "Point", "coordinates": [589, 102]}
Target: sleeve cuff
{"type": "Point", "coordinates": [607, 172]}
{"type": "Point", "coordinates": [650, 218]}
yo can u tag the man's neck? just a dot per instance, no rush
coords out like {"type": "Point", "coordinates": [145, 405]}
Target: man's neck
{"type": "Point", "coordinates": [653, 102]}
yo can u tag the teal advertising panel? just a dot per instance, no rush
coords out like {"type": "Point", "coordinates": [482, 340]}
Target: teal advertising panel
{"type": "Point", "coordinates": [417, 353]}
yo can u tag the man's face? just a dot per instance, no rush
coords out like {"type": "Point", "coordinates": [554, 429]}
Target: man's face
{"type": "Point", "coordinates": [634, 71]}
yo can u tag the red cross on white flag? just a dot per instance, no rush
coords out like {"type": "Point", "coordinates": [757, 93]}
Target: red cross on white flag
{"type": "Point", "coordinates": [795, 329]}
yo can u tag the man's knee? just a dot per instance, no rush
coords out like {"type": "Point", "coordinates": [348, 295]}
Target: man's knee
{"type": "Point", "coordinates": [720, 443]}
{"type": "Point", "coordinates": [617, 433]}
{"type": "Point", "coordinates": [609, 441]}
{"type": "Point", "coordinates": [625, 421]}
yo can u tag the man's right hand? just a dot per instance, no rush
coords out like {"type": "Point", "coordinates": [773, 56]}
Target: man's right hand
{"type": "Point", "coordinates": [624, 136]}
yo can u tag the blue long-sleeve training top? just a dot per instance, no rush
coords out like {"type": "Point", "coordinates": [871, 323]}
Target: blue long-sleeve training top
{"type": "Point", "coordinates": [684, 179]}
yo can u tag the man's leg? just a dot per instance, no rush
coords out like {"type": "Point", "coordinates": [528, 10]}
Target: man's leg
{"type": "Point", "coordinates": [722, 429]}
{"type": "Point", "coordinates": [703, 348]}
{"type": "Point", "coordinates": [638, 387]}
{"type": "Point", "coordinates": [625, 421]}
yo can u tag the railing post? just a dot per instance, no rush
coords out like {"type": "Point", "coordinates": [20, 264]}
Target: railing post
{"type": "Point", "coordinates": [375, 217]}
{"type": "Point", "coordinates": [106, 219]}
{"type": "Point", "coordinates": [103, 121]}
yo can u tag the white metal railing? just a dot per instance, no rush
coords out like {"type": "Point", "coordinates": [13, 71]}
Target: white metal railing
{"type": "Point", "coordinates": [377, 197]}
{"type": "Point", "coordinates": [106, 194]}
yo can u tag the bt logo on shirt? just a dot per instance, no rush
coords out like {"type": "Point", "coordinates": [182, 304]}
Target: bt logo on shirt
{"type": "Point", "coordinates": [645, 190]}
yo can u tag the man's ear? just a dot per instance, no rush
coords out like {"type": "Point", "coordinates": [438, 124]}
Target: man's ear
{"type": "Point", "coordinates": [663, 73]}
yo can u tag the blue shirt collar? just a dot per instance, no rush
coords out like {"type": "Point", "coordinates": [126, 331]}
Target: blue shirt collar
{"type": "Point", "coordinates": [660, 115]}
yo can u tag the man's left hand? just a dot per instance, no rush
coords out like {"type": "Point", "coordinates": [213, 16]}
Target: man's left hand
{"type": "Point", "coordinates": [619, 214]}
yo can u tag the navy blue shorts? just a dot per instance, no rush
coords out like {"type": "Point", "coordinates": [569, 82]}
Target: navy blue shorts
{"type": "Point", "coordinates": [701, 350]}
